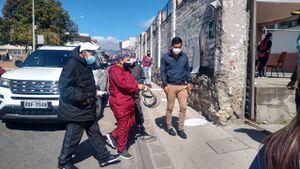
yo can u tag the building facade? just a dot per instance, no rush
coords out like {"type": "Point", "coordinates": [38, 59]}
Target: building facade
{"type": "Point", "coordinates": [215, 36]}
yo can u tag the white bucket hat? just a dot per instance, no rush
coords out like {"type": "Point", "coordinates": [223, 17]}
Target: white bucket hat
{"type": "Point", "coordinates": [88, 46]}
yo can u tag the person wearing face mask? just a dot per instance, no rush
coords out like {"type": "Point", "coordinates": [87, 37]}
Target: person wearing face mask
{"type": "Point", "coordinates": [176, 80]}
{"type": "Point", "coordinates": [122, 89]}
{"type": "Point", "coordinates": [77, 108]}
{"type": "Point", "coordinates": [147, 64]}
{"type": "Point", "coordinates": [264, 51]}
{"type": "Point", "coordinates": [138, 73]}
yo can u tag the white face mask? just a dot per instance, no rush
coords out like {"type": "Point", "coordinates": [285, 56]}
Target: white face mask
{"type": "Point", "coordinates": [132, 60]}
{"type": "Point", "coordinates": [176, 51]}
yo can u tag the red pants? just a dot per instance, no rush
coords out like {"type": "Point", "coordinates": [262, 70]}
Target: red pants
{"type": "Point", "coordinates": [122, 131]}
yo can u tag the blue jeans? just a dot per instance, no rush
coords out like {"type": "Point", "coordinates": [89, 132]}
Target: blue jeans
{"type": "Point", "coordinates": [147, 73]}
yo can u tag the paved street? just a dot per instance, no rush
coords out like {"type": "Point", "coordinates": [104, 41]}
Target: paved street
{"type": "Point", "coordinates": [32, 146]}
{"type": "Point", "coordinates": [24, 146]}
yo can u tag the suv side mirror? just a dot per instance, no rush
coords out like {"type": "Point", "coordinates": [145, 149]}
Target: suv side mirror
{"type": "Point", "coordinates": [18, 63]}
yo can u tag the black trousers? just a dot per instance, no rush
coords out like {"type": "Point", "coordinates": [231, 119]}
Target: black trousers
{"type": "Point", "coordinates": [262, 64]}
{"type": "Point", "coordinates": [73, 136]}
{"type": "Point", "coordinates": [139, 116]}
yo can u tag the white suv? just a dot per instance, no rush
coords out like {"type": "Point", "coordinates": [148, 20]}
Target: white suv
{"type": "Point", "coordinates": [31, 91]}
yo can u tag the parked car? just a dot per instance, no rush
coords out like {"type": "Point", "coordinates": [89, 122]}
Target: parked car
{"type": "Point", "coordinates": [30, 93]}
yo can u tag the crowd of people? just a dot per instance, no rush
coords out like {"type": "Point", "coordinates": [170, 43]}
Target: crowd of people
{"type": "Point", "coordinates": [120, 83]}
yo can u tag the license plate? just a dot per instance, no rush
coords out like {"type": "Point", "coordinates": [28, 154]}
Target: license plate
{"type": "Point", "coordinates": [36, 104]}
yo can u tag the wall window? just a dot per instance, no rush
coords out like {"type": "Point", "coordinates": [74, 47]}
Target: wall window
{"type": "Point", "coordinates": [211, 29]}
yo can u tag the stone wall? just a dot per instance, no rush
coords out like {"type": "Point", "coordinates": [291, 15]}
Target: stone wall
{"type": "Point", "coordinates": [166, 35]}
{"type": "Point", "coordinates": [219, 86]}
{"type": "Point", "coordinates": [231, 72]}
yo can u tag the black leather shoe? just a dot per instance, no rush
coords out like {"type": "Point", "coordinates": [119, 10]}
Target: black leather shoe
{"type": "Point", "coordinates": [67, 166]}
{"type": "Point", "coordinates": [172, 132]}
{"type": "Point", "coordinates": [182, 134]}
{"type": "Point", "coordinates": [112, 159]}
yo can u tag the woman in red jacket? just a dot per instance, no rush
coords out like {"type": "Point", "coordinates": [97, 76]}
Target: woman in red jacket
{"type": "Point", "coordinates": [122, 88]}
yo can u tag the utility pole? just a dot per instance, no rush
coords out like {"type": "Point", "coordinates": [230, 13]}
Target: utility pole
{"type": "Point", "coordinates": [33, 27]}
{"type": "Point", "coordinates": [174, 18]}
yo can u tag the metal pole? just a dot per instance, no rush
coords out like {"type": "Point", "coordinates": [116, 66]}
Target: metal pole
{"type": "Point", "coordinates": [254, 12]}
{"type": "Point", "coordinates": [33, 27]}
{"type": "Point", "coordinates": [159, 20]}
{"type": "Point", "coordinates": [174, 18]}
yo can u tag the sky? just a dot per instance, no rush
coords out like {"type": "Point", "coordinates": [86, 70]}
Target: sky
{"type": "Point", "coordinates": [109, 21]}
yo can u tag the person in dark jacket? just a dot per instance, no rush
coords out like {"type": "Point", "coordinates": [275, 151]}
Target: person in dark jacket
{"type": "Point", "coordinates": [138, 74]}
{"type": "Point", "coordinates": [77, 108]}
{"type": "Point", "coordinates": [264, 51]}
{"type": "Point", "coordinates": [176, 79]}
{"type": "Point", "coordinates": [122, 89]}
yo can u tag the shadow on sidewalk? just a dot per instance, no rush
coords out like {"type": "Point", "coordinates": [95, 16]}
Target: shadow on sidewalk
{"type": "Point", "coordinates": [84, 151]}
{"type": "Point", "coordinates": [256, 135]}
{"type": "Point", "coordinates": [161, 123]}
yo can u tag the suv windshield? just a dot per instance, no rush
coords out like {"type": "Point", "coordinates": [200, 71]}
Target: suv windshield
{"type": "Point", "coordinates": [47, 58]}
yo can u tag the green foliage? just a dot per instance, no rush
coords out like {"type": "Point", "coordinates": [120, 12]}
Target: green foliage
{"type": "Point", "coordinates": [52, 21]}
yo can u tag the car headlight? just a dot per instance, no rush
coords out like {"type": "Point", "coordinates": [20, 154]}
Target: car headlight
{"type": "Point", "coordinates": [4, 82]}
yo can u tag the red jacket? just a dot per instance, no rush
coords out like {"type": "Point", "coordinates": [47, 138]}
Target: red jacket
{"type": "Point", "coordinates": [122, 88]}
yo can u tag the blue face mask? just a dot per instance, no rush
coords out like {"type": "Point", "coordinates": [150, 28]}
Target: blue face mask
{"type": "Point", "coordinates": [90, 60]}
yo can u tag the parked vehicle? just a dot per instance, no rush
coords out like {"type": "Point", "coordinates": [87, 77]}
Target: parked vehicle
{"type": "Point", "coordinates": [30, 93]}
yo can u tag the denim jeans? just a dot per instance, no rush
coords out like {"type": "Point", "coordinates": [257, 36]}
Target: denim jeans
{"type": "Point", "coordinates": [147, 73]}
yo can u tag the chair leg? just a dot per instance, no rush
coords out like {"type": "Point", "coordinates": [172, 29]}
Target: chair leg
{"type": "Point", "coordinates": [282, 72]}
{"type": "Point", "coordinates": [272, 72]}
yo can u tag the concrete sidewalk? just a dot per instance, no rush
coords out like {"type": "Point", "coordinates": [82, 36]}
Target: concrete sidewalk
{"type": "Point", "coordinates": [207, 147]}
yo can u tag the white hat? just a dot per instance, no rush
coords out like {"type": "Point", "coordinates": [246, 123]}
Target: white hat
{"type": "Point", "coordinates": [88, 46]}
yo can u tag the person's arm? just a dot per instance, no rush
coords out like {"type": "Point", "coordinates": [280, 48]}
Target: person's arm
{"type": "Point", "coordinates": [188, 72]}
{"type": "Point", "coordinates": [122, 82]}
{"type": "Point", "coordinates": [163, 71]}
{"type": "Point", "coordinates": [67, 85]}
{"type": "Point", "coordinates": [151, 60]}
{"type": "Point", "coordinates": [142, 77]}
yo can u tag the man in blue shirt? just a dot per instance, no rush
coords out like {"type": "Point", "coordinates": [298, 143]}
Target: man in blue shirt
{"type": "Point", "coordinates": [176, 79]}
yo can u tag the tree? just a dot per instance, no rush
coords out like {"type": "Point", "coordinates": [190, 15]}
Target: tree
{"type": "Point", "coordinates": [52, 21]}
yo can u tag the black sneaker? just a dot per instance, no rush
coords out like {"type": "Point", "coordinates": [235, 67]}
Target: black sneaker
{"type": "Point", "coordinates": [111, 141]}
{"type": "Point", "coordinates": [125, 155]}
{"type": "Point", "coordinates": [112, 159]}
{"type": "Point", "coordinates": [182, 134]}
{"type": "Point", "coordinates": [172, 132]}
{"type": "Point", "coordinates": [66, 166]}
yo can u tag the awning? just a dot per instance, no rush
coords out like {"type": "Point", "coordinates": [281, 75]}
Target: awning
{"type": "Point", "coordinates": [272, 11]}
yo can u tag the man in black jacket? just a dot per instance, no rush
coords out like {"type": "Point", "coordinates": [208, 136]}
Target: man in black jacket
{"type": "Point", "coordinates": [138, 74]}
{"type": "Point", "coordinates": [78, 108]}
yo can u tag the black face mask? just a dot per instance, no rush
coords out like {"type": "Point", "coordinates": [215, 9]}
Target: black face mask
{"type": "Point", "coordinates": [128, 66]}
